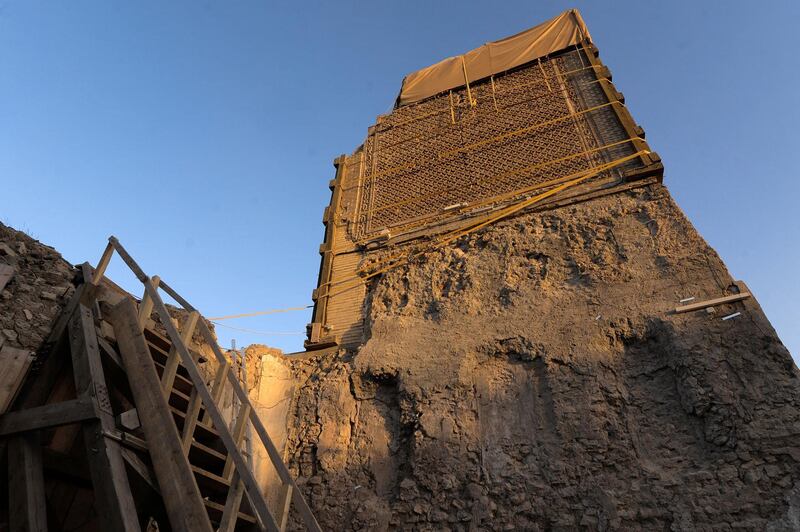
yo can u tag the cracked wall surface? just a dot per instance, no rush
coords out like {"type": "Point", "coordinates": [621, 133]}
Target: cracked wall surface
{"type": "Point", "coordinates": [531, 376]}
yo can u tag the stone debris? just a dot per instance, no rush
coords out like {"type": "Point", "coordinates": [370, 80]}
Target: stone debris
{"type": "Point", "coordinates": [33, 298]}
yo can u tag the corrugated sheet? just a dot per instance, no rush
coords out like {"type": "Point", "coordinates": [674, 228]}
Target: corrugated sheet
{"type": "Point", "coordinates": [345, 309]}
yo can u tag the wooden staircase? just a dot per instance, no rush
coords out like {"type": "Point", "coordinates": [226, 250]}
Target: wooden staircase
{"type": "Point", "coordinates": [156, 445]}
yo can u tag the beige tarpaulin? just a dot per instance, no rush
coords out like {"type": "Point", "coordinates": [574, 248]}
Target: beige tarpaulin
{"type": "Point", "coordinates": [556, 34]}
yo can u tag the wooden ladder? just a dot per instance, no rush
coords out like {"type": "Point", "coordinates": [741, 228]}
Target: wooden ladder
{"type": "Point", "coordinates": [173, 434]}
{"type": "Point", "coordinates": [210, 445]}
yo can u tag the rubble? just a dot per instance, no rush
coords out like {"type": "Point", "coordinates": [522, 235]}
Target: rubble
{"type": "Point", "coordinates": [36, 293]}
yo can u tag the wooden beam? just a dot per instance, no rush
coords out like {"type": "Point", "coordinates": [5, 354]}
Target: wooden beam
{"type": "Point", "coordinates": [146, 305]}
{"type": "Point", "coordinates": [26, 498]}
{"type": "Point", "coordinates": [190, 421]}
{"type": "Point", "coordinates": [47, 416]}
{"type": "Point", "coordinates": [110, 352]}
{"type": "Point", "coordinates": [113, 498]}
{"type": "Point", "coordinates": [218, 386]}
{"type": "Point", "coordinates": [102, 264]}
{"type": "Point", "coordinates": [141, 469]}
{"type": "Point", "coordinates": [232, 502]}
{"type": "Point", "coordinates": [254, 493]}
{"type": "Point", "coordinates": [171, 365]}
{"type": "Point", "coordinates": [15, 363]}
{"type": "Point", "coordinates": [238, 433]}
{"type": "Point", "coordinates": [712, 302]}
{"type": "Point", "coordinates": [275, 457]}
{"type": "Point", "coordinates": [251, 485]}
{"type": "Point", "coordinates": [285, 504]}
{"type": "Point", "coordinates": [277, 460]}
{"type": "Point", "coordinates": [178, 485]}
{"type": "Point", "coordinates": [320, 312]}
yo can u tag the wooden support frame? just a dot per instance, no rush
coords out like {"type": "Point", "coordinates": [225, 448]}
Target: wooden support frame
{"type": "Point", "coordinates": [218, 387]}
{"type": "Point", "coordinates": [116, 509]}
{"type": "Point", "coordinates": [26, 501]}
{"type": "Point", "coordinates": [232, 502]}
{"type": "Point", "coordinates": [171, 365]}
{"type": "Point", "coordinates": [251, 486]}
{"type": "Point", "coordinates": [48, 416]}
{"type": "Point", "coordinates": [275, 457]}
{"type": "Point", "coordinates": [146, 305]}
{"type": "Point", "coordinates": [182, 497]}
{"type": "Point", "coordinates": [238, 434]}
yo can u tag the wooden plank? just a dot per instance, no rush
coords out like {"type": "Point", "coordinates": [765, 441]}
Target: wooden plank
{"type": "Point", "coordinates": [146, 305]}
{"type": "Point", "coordinates": [14, 363]}
{"type": "Point", "coordinates": [218, 386]}
{"type": "Point", "coordinates": [712, 302]}
{"type": "Point", "coordinates": [171, 365]}
{"type": "Point", "coordinates": [6, 273]}
{"type": "Point", "coordinates": [47, 416]}
{"type": "Point", "coordinates": [285, 505]}
{"type": "Point", "coordinates": [113, 498]}
{"type": "Point", "coordinates": [275, 457]}
{"type": "Point", "coordinates": [251, 485]}
{"type": "Point", "coordinates": [179, 488]}
{"type": "Point", "coordinates": [215, 510]}
{"type": "Point", "coordinates": [102, 264]}
{"type": "Point", "coordinates": [26, 501]}
{"type": "Point", "coordinates": [232, 502]}
{"type": "Point", "coordinates": [141, 469]}
{"type": "Point", "coordinates": [190, 421]}
{"type": "Point", "coordinates": [238, 435]}
{"type": "Point", "coordinates": [277, 460]}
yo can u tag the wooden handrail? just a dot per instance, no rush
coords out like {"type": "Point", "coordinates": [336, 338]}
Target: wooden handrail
{"type": "Point", "coordinates": [245, 474]}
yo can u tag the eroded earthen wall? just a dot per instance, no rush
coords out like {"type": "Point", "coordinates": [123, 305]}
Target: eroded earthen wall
{"type": "Point", "coordinates": [531, 376]}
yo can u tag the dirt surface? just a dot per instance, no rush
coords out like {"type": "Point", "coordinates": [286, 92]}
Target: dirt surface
{"type": "Point", "coordinates": [39, 288]}
{"type": "Point", "coordinates": [532, 377]}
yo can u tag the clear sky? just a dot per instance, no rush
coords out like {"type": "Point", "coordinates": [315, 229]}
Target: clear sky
{"type": "Point", "coordinates": [202, 133]}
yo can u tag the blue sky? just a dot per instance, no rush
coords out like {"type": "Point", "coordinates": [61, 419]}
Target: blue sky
{"type": "Point", "coordinates": [202, 133]}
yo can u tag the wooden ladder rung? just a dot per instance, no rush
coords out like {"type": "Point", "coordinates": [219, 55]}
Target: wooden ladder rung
{"type": "Point", "coordinates": [208, 432]}
{"type": "Point", "coordinates": [211, 482]}
{"type": "Point", "coordinates": [215, 510]}
{"type": "Point", "coordinates": [181, 383]}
